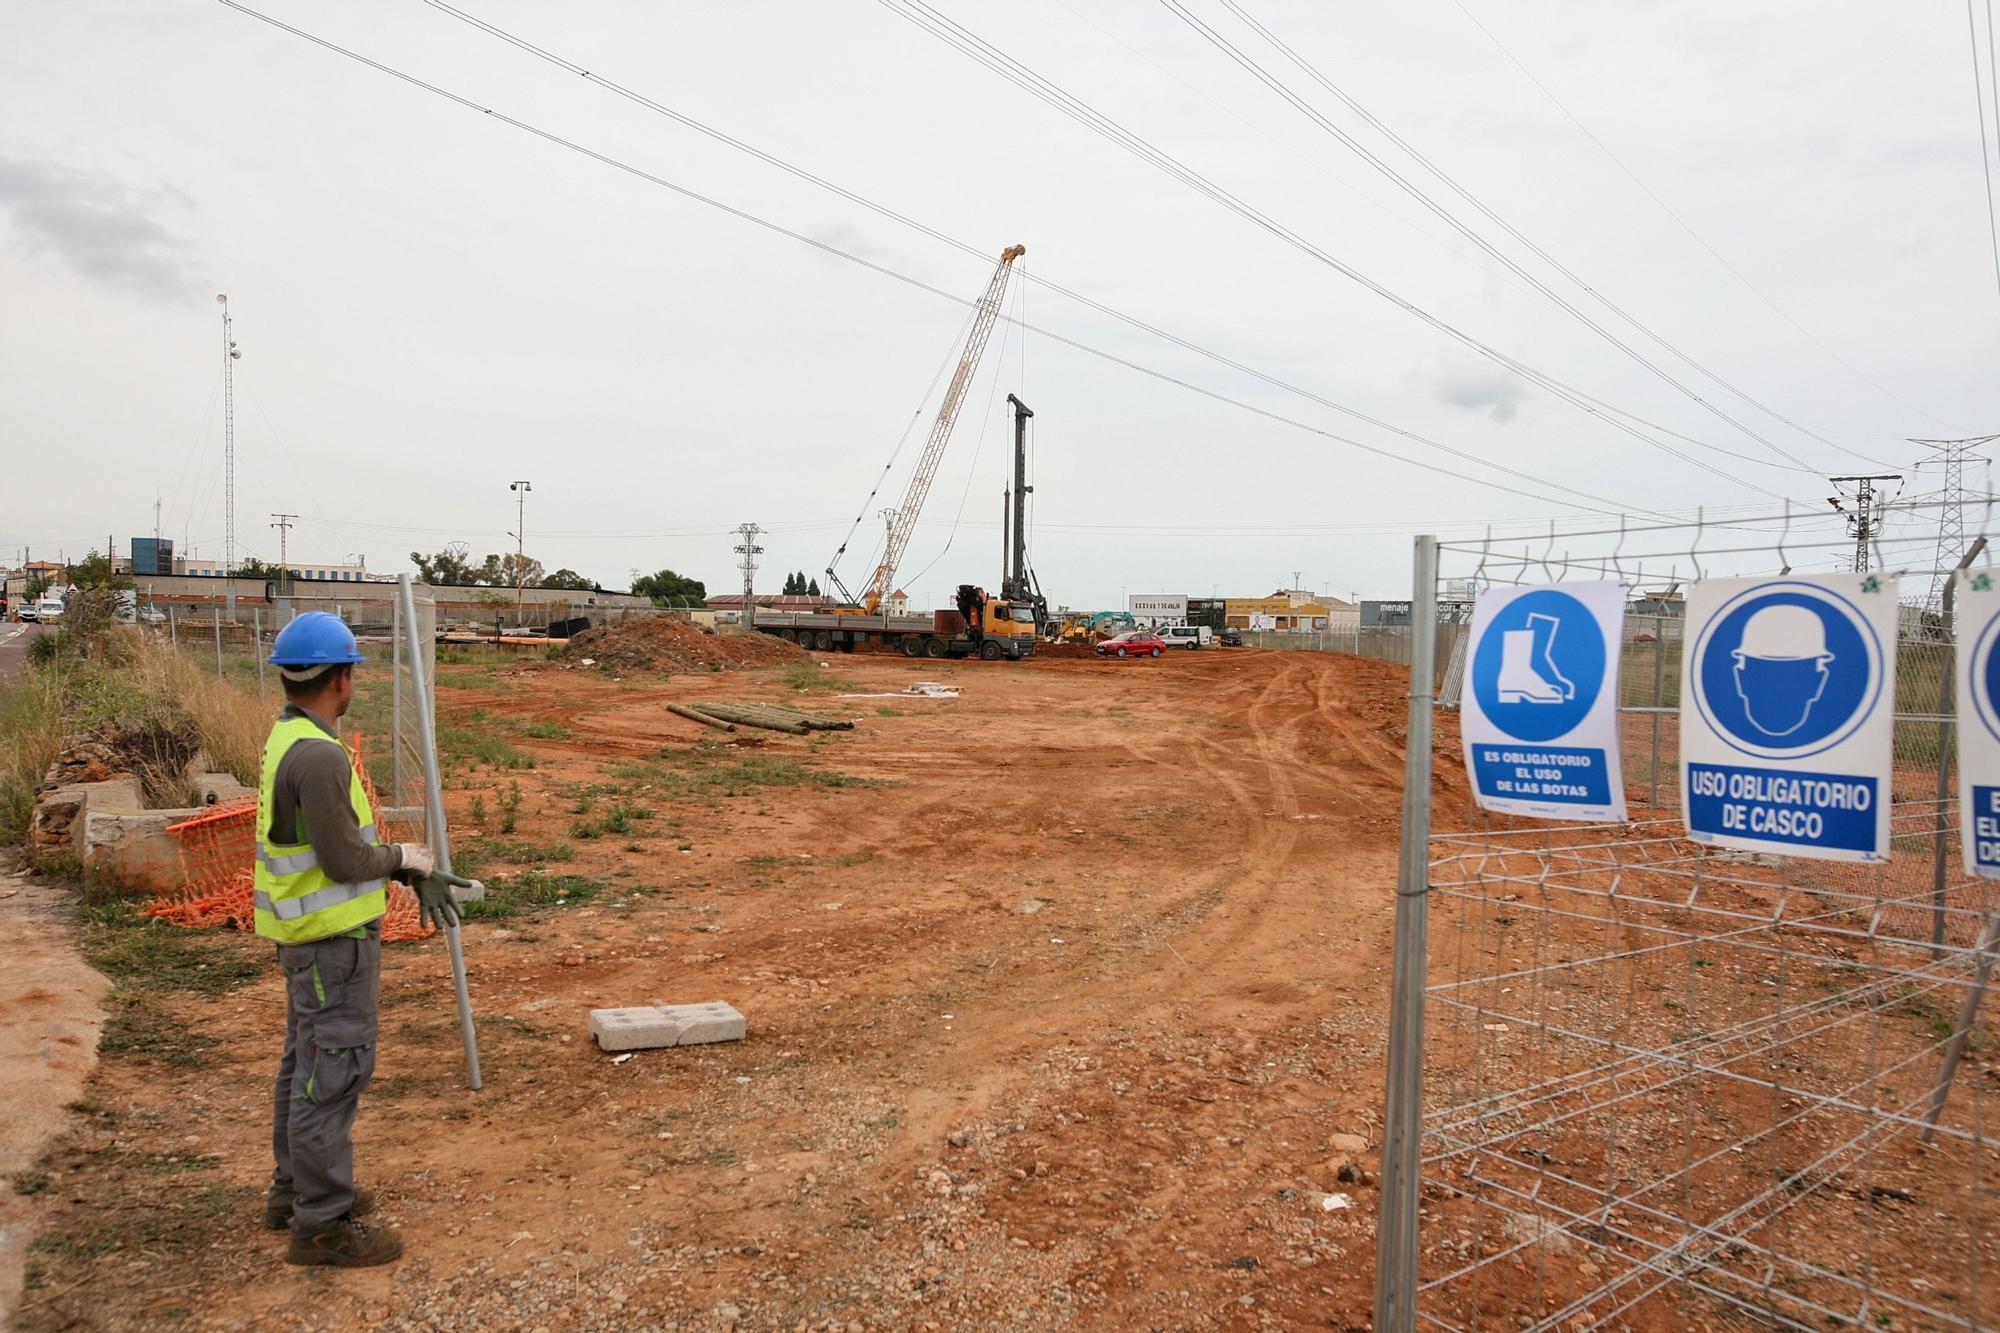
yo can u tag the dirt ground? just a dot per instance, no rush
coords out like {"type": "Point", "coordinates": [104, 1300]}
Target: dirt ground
{"type": "Point", "coordinates": [1062, 997]}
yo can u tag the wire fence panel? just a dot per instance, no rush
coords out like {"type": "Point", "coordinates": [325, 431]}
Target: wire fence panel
{"type": "Point", "coordinates": [1674, 1086]}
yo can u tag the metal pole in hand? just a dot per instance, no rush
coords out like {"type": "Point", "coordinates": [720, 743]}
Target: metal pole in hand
{"type": "Point", "coordinates": [420, 701]}
{"type": "Point", "coordinates": [396, 701]}
{"type": "Point", "coordinates": [1402, 1132]}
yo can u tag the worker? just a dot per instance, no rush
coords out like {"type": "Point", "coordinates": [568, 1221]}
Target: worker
{"type": "Point", "coordinates": [321, 891]}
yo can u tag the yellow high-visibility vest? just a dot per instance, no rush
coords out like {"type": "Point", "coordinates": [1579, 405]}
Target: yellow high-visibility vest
{"type": "Point", "coordinates": [295, 900]}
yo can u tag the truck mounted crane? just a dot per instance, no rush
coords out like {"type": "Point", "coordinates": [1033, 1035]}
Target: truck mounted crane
{"type": "Point", "coordinates": [989, 627]}
{"type": "Point", "coordinates": [904, 524]}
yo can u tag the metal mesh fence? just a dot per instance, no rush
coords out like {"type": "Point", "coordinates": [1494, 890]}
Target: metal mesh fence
{"type": "Point", "coordinates": [381, 726]}
{"type": "Point", "coordinates": [1671, 1086]}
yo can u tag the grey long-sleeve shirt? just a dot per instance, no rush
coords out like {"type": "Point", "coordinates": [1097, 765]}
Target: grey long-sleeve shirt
{"type": "Point", "coordinates": [310, 804]}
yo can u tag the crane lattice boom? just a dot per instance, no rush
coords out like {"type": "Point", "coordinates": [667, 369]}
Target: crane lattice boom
{"type": "Point", "coordinates": [987, 311]}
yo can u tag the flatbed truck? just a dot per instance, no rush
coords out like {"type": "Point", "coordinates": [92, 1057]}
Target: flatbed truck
{"type": "Point", "coordinates": [1007, 631]}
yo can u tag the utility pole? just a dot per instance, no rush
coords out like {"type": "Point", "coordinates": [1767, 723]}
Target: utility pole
{"type": "Point", "coordinates": [284, 527]}
{"type": "Point", "coordinates": [1951, 513]}
{"type": "Point", "coordinates": [1864, 520]}
{"type": "Point", "coordinates": [520, 489]}
{"type": "Point", "coordinates": [749, 550]}
{"type": "Point", "coordinates": [229, 358]}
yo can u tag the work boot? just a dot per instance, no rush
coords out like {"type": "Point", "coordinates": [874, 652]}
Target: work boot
{"type": "Point", "coordinates": [278, 1207]}
{"type": "Point", "coordinates": [346, 1244]}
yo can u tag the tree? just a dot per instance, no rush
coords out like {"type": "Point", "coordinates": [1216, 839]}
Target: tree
{"type": "Point", "coordinates": [794, 583]}
{"type": "Point", "coordinates": [94, 571]}
{"type": "Point", "coordinates": [451, 567]}
{"type": "Point", "coordinates": [37, 586]}
{"type": "Point", "coordinates": [570, 579]}
{"type": "Point", "coordinates": [667, 588]}
{"type": "Point", "coordinates": [252, 568]}
{"type": "Point", "coordinates": [518, 571]}
{"type": "Point", "coordinates": [812, 589]}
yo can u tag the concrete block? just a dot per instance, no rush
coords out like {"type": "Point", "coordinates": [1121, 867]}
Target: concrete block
{"type": "Point", "coordinates": [714, 1021]}
{"type": "Point", "coordinates": [221, 789]}
{"type": "Point", "coordinates": [132, 851]}
{"type": "Point", "coordinates": [650, 1026]}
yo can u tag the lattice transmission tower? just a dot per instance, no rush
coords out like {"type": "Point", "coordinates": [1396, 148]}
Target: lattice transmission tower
{"type": "Point", "coordinates": [749, 550]}
{"type": "Point", "coordinates": [1952, 454]}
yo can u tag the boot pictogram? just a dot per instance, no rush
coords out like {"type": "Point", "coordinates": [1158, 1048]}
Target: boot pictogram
{"type": "Point", "coordinates": [1528, 672]}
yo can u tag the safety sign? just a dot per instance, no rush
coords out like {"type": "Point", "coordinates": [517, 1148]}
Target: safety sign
{"type": "Point", "coordinates": [1539, 713]}
{"type": "Point", "coordinates": [1788, 714]}
{"type": "Point", "coordinates": [1977, 612]}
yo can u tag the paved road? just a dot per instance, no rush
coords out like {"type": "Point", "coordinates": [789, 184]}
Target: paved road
{"type": "Point", "coordinates": [50, 1015]}
{"type": "Point", "coordinates": [14, 640]}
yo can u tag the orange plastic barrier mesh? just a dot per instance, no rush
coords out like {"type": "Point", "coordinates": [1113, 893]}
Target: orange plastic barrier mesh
{"type": "Point", "coordinates": [218, 850]}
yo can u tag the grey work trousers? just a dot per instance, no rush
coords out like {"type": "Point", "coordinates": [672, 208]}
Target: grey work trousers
{"type": "Point", "coordinates": [332, 990]}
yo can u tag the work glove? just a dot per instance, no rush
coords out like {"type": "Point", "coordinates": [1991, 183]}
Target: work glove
{"type": "Point", "coordinates": [417, 861]}
{"type": "Point", "coordinates": [436, 908]}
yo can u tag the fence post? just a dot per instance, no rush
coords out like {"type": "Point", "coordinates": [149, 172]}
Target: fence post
{"type": "Point", "coordinates": [1659, 697]}
{"type": "Point", "coordinates": [1947, 700]}
{"type": "Point", "coordinates": [173, 629]}
{"type": "Point", "coordinates": [257, 639]}
{"type": "Point", "coordinates": [1402, 1134]}
{"type": "Point", "coordinates": [218, 641]}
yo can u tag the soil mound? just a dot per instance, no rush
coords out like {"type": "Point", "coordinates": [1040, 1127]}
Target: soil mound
{"type": "Point", "coordinates": [656, 643]}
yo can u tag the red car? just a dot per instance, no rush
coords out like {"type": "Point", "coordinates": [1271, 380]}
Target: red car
{"type": "Point", "coordinates": [1135, 643]}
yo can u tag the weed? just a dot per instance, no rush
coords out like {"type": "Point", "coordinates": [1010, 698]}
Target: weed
{"type": "Point", "coordinates": [477, 811]}
{"type": "Point", "coordinates": [30, 1183]}
{"type": "Point", "coordinates": [886, 711]}
{"type": "Point", "coordinates": [510, 807]}
{"type": "Point", "coordinates": [585, 799]}
{"type": "Point", "coordinates": [584, 830]}
{"type": "Point", "coordinates": [619, 820]}
{"type": "Point", "coordinates": [545, 731]}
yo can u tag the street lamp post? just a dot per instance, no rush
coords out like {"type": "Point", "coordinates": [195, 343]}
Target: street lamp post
{"type": "Point", "coordinates": [520, 535]}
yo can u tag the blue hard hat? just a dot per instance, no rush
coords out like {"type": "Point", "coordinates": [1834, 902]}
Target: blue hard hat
{"type": "Point", "coordinates": [315, 639]}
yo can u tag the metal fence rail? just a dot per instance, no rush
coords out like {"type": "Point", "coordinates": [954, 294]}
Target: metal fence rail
{"type": "Point", "coordinates": [1637, 1082]}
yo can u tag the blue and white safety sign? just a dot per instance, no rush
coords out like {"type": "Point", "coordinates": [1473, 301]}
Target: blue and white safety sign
{"type": "Point", "coordinates": [1788, 714]}
{"type": "Point", "coordinates": [1539, 714]}
{"type": "Point", "coordinates": [1977, 612]}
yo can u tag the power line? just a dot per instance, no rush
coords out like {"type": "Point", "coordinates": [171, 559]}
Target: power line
{"type": "Point", "coordinates": [1614, 506]}
{"type": "Point", "coordinates": [1236, 54]}
{"type": "Point", "coordinates": [985, 53]}
{"type": "Point", "coordinates": [1680, 221]}
{"type": "Point", "coordinates": [640, 99]}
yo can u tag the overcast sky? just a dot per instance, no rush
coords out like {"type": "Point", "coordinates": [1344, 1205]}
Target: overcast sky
{"type": "Point", "coordinates": [431, 303]}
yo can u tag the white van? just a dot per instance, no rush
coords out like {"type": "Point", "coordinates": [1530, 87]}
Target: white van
{"type": "Point", "coordinates": [1188, 636]}
{"type": "Point", "coordinates": [49, 610]}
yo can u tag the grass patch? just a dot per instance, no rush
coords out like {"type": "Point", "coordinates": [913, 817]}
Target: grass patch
{"type": "Point", "coordinates": [532, 891]}
{"type": "Point", "coordinates": [143, 954]}
{"type": "Point", "coordinates": [546, 731]}
{"type": "Point", "coordinates": [805, 677]}
{"type": "Point", "coordinates": [525, 853]}
{"type": "Point", "coordinates": [135, 1027]}
{"type": "Point", "coordinates": [465, 744]}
